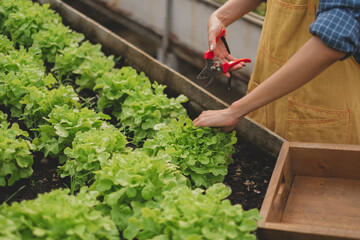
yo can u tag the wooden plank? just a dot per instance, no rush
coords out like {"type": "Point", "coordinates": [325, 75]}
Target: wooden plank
{"type": "Point", "coordinates": [281, 231]}
{"type": "Point", "coordinates": [273, 204]}
{"type": "Point", "coordinates": [176, 83]}
{"type": "Point", "coordinates": [260, 136]}
{"type": "Point", "coordinates": [326, 160]}
{"type": "Point", "coordinates": [327, 202]}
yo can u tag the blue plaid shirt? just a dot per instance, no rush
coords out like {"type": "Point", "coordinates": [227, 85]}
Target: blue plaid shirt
{"type": "Point", "coordinates": [337, 24]}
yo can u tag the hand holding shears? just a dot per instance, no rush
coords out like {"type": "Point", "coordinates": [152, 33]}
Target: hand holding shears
{"type": "Point", "coordinates": [216, 65]}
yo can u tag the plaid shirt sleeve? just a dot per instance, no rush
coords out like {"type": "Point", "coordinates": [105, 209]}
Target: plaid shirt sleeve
{"type": "Point", "coordinates": [337, 24]}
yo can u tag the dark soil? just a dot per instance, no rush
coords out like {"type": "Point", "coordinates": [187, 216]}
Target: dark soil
{"type": "Point", "coordinates": [249, 175]}
{"type": "Point", "coordinates": [44, 179]}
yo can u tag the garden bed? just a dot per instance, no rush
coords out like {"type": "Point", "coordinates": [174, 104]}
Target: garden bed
{"type": "Point", "coordinates": [248, 176]}
{"type": "Point", "coordinates": [80, 118]}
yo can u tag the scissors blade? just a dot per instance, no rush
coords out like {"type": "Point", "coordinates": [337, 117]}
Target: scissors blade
{"type": "Point", "coordinates": [212, 78]}
{"type": "Point", "coordinates": [206, 72]}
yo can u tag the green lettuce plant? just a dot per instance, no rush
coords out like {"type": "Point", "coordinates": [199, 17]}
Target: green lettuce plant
{"type": "Point", "coordinates": [29, 19]}
{"type": "Point", "coordinates": [39, 102]}
{"type": "Point", "coordinates": [6, 45]}
{"type": "Point", "coordinates": [11, 6]}
{"type": "Point", "coordinates": [63, 123]}
{"type": "Point", "coordinates": [16, 158]}
{"type": "Point", "coordinates": [194, 214]}
{"type": "Point", "coordinates": [21, 60]}
{"type": "Point", "coordinates": [51, 41]}
{"type": "Point", "coordinates": [145, 109]}
{"type": "Point", "coordinates": [203, 154]}
{"type": "Point", "coordinates": [21, 69]}
{"type": "Point", "coordinates": [92, 69]}
{"type": "Point", "coordinates": [89, 151]}
{"type": "Point", "coordinates": [3, 117]}
{"type": "Point", "coordinates": [115, 85]}
{"type": "Point", "coordinates": [57, 215]}
{"type": "Point", "coordinates": [86, 63]}
{"type": "Point", "coordinates": [134, 180]}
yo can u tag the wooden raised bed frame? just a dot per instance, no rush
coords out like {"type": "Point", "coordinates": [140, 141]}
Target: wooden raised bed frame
{"type": "Point", "coordinates": [314, 193]}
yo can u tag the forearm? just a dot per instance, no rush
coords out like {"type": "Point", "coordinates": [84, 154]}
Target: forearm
{"type": "Point", "coordinates": [313, 58]}
{"type": "Point", "coordinates": [227, 14]}
{"type": "Point", "coordinates": [234, 9]}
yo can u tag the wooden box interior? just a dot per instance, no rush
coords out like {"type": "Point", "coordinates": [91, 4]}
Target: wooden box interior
{"type": "Point", "coordinates": [314, 193]}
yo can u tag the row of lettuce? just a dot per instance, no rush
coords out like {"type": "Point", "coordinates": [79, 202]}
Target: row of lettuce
{"type": "Point", "coordinates": [152, 175]}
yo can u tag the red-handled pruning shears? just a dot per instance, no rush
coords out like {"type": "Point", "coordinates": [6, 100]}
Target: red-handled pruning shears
{"type": "Point", "coordinates": [214, 66]}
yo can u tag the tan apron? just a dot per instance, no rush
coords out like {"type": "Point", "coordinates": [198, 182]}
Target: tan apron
{"type": "Point", "coordinates": [327, 109]}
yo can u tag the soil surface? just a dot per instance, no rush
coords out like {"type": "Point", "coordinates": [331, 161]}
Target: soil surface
{"type": "Point", "coordinates": [249, 175]}
{"type": "Point", "coordinates": [44, 179]}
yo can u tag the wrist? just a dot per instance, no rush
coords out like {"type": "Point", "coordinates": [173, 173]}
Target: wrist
{"type": "Point", "coordinates": [236, 111]}
{"type": "Point", "coordinates": [216, 20]}
{"type": "Point", "coordinates": [221, 18]}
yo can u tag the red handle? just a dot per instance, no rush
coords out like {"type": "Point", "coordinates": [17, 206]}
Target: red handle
{"type": "Point", "coordinates": [228, 65]}
{"type": "Point", "coordinates": [209, 54]}
{"type": "Point", "coordinates": [221, 34]}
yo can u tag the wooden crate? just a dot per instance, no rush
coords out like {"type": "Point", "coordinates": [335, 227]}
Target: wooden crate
{"type": "Point", "coordinates": [314, 193]}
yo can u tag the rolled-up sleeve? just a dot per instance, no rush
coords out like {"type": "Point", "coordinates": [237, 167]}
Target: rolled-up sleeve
{"type": "Point", "coordinates": [338, 26]}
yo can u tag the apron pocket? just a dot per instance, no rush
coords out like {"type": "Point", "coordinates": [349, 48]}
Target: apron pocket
{"type": "Point", "coordinates": [306, 123]}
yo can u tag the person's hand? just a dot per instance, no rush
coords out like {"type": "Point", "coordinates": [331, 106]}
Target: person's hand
{"type": "Point", "coordinates": [223, 119]}
{"type": "Point", "coordinates": [219, 48]}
